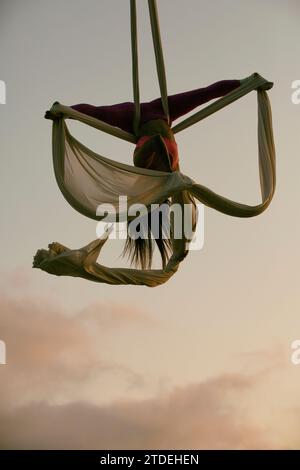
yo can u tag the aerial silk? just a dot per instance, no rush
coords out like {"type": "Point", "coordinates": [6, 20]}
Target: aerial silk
{"type": "Point", "coordinates": [87, 179]}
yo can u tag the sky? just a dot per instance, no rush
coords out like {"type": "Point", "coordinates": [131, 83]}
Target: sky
{"type": "Point", "coordinates": [203, 361]}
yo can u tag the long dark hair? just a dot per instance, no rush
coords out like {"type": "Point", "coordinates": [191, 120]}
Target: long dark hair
{"type": "Point", "coordinates": [140, 250]}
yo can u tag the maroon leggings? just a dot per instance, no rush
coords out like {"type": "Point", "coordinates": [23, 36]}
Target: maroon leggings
{"type": "Point", "coordinates": [121, 115]}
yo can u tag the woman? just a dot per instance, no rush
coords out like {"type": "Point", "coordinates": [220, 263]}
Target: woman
{"type": "Point", "coordinates": [156, 149]}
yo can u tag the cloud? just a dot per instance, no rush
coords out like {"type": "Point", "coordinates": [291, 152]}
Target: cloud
{"type": "Point", "coordinates": [59, 390]}
{"type": "Point", "coordinates": [59, 358]}
{"type": "Point", "coordinates": [199, 416]}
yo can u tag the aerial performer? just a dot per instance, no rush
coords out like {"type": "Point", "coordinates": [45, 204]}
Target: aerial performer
{"type": "Point", "coordinates": [88, 180]}
{"type": "Point", "coordinates": [156, 147]}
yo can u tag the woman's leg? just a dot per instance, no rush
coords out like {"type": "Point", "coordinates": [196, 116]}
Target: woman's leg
{"type": "Point", "coordinates": [183, 103]}
{"type": "Point", "coordinates": [119, 115]}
